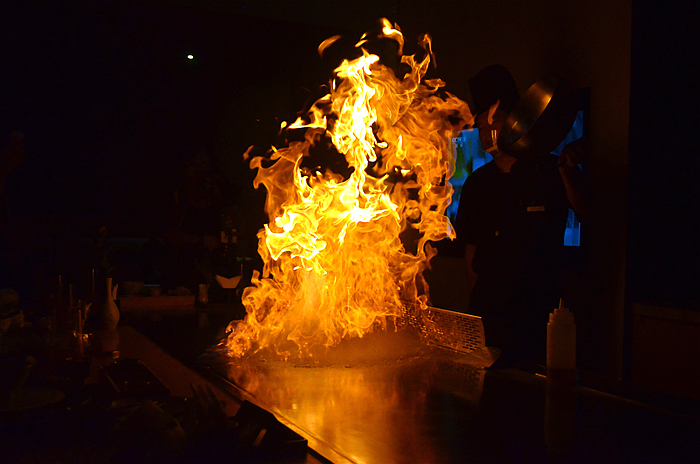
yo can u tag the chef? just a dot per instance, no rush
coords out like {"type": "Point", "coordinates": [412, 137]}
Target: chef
{"type": "Point", "coordinates": [511, 221]}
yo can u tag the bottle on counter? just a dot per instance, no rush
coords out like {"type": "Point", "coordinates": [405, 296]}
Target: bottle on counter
{"type": "Point", "coordinates": [560, 402]}
{"type": "Point", "coordinates": [561, 339]}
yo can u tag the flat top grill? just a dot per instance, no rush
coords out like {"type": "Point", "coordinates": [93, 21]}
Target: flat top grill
{"type": "Point", "coordinates": [373, 408]}
{"type": "Point", "coordinates": [419, 402]}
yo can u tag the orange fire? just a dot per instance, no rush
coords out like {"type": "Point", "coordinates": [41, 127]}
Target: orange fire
{"type": "Point", "coordinates": [344, 255]}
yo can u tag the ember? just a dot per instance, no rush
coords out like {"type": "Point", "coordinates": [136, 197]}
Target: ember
{"type": "Point", "coordinates": [335, 263]}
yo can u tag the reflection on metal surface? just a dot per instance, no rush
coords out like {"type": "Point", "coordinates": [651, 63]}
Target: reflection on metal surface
{"type": "Point", "coordinates": [540, 120]}
{"type": "Point", "coordinates": [429, 405]}
{"type": "Point", "coordinates": [559, 413]}
{"type": "Point", "coordinates": [369, 409]}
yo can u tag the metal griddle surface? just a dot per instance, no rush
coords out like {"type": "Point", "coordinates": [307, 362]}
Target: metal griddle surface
{"type": "Point", "coordinates": [404, 407]}
{"type": "Point", "coordinates": [415, 403]}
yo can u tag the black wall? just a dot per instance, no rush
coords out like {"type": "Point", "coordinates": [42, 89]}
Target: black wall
{"type": "Point", "coordinates": [664, 200]}
{"type": "Point", "coordinates": [110, 105]}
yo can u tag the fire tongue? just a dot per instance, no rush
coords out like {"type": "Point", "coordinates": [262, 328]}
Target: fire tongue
{"type": "Point", "coordinates": [335, 264]}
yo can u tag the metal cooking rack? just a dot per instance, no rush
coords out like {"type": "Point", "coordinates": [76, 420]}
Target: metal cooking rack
{"type": "Point", "coordinates": [450, 329]}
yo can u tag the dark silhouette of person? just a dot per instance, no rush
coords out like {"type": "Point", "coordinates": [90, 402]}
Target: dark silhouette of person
{"type": "Point", "coordinates": [202, 202]}
{"type": "Point", "coordinates": [511, 222]}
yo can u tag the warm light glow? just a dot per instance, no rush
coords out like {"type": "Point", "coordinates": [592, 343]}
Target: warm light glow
{"type": "Point", "coordinates": [190, 57]}
{"type": "Point", "coordinates": [327, 43]}
{"type": "Point", "coordinates": [392, 32]}
{"type": "Point", "coordinates": [492, 111]}
{"type": "Point", "coordinates": [343, 255]}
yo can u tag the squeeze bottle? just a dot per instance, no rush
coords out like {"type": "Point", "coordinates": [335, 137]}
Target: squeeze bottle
{"type": "Point", "coordinates": [561, 339]}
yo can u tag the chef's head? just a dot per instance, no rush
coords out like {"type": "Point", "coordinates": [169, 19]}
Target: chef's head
{"type": "Point", "coordinates": [494, 95]}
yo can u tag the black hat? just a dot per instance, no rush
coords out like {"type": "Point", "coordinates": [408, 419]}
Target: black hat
{"type": "Point", "coordinates": [491, 84]}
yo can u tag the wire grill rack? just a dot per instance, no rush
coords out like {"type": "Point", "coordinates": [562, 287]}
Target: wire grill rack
{"type": "Point", "coordinates": [450, 329]}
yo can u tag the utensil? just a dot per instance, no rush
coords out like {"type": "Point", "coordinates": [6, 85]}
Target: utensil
{"type": "Point", "coordinates": [540, 120]}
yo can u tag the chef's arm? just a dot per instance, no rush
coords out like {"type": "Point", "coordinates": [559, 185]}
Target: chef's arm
{"type": "Point", "coordinates": [575, 183]}
{"type": "Point", "coordinates": [471, 275]}
{"type": "Point", "coordinates": [576, 191]}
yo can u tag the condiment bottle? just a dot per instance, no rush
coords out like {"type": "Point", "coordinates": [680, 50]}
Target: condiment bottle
{"type": "Point", "coordinates": [561, 339]}
{"type": "Point", "coordinates": [561, 382]}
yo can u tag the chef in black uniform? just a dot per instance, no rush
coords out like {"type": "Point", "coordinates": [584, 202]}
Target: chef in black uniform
{"type": "Point", "coordinates": [511, 221]}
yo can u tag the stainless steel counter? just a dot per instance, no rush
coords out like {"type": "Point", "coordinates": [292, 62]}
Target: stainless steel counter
{"type": "Point", "coordinates": [431, 405]}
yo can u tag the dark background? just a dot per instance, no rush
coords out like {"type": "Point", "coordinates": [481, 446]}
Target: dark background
{"type": "Point", "coordinates": [110, 105]}
{"type": "Point", "coordinates": [664, 162]}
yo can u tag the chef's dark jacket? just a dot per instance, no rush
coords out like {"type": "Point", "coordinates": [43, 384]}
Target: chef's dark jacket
{"type": "Point", "coordinates": [517, 222]}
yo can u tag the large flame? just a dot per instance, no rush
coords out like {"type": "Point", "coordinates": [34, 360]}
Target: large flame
{"type": "Point", "coordinates": [344, 254]}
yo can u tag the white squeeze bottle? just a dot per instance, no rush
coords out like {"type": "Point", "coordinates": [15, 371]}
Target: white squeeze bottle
{"type": "Point", "coordinates": [561, 339]}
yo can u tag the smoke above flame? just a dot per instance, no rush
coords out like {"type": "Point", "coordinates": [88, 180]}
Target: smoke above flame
{"type": "Point", "coordinates": [344, 253]}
